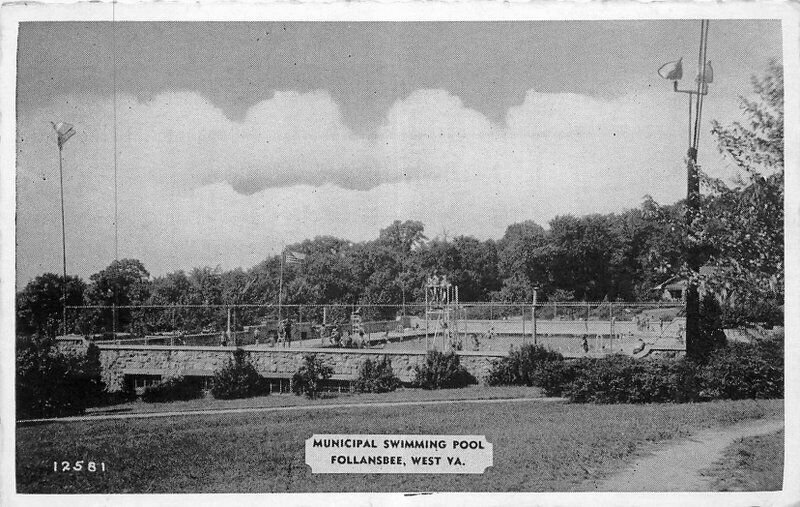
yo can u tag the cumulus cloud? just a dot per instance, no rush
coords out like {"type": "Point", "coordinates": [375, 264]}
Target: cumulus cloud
{"type": "Point", "coordinates": [196, 188]}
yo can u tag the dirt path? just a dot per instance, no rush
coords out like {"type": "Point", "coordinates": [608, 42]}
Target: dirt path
{"type": "Point", "coordinates": [677, 466]}
{"type": "Point", "coordinates": [291, 408]}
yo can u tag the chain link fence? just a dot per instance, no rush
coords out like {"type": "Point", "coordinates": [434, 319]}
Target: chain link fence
{"type": "Point", "coordinates": [600, 327]}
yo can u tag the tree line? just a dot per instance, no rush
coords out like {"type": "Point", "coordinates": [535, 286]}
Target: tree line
{"type": "Point", "coordinates": [615, 256]}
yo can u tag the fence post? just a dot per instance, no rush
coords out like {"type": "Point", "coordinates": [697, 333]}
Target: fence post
{"type": "Point", "coordinates": [523, 325]}
{"type": "Point", "coordinates": [426, 319]}
{"type": "Point", "coordinates": [466, 317]}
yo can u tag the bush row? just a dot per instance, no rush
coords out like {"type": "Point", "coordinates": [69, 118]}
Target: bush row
{"type": "Point", "coordinates": [523, 366]}
{"type": "Point", "coordinates": [442, 371]}
{"type": "Point", "coordinates": [735, 371]}
{"type": "Point", "coordinates": [53, 384]}
{"type": "Point", "coordinates": [239, 378]}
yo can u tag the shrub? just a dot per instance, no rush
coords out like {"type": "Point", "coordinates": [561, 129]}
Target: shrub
{"type": "Point", "coordinates": [442, 371]}
{"type": "Point", "coordinates": [52, 384]}
{"type": "Point", "coordinates": [735, 371]}
{"type": "Point", "coordinates": [310, 376]}
{"type": "Point", "coordinates": [664, 381]}
{"type": "Point", "coordinates": [238, 379]}
{"type": "Point", "coordinates": [126, 394]}
{"type": "Point", "coordinates": [686, 379]}
{"type": "Point", "coordinates": [742, 370]}
{"type": "Point", "coordinates": [604, 380]}
{"type": "Point", "coordinates": [555, 376]}
{"type": "Point", "coordinates": [173, 389]}
{"type": "Point", "coordinates": [522, 366]}
{"type": "Point", "coordinates": [503, 373]}
{"type": "Point", "coordinates": [376, 377]}
{"type": "Point", "coordinates": [623, 379]}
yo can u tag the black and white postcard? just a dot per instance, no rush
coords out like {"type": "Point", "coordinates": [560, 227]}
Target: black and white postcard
{"type": "Point", "coordinates": [399, 253]}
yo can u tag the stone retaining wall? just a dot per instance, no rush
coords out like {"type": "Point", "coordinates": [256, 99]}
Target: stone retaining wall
{"type": "Point", "coordinates": [119, 360]}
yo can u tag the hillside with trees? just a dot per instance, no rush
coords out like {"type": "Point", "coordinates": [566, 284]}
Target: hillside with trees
{"type": "Point", "coordinates": [616, 256]}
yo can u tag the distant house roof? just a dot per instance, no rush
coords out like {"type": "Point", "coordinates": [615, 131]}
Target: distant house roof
{"type": "Point", "coordinates": [679, 282]}
{"type": "Point", "coordinates": [675, 282]}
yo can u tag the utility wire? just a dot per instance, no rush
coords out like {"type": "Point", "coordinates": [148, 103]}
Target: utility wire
{"type": "Point", "coordinates": [702, 78]}
{"type": "Point", "coordinates": [116, 206]}
{"type": "Point", "coordinates": [699, 84]}
{"type": "Point", "coordinates": [114, 85]}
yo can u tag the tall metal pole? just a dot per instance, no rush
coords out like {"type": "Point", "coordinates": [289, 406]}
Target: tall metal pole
{"type": "Point", "coordinates": [114, 316]}
{"type": "Point", "coordinates": [535, 338]}
{"type": "Point", "coordinates": [693, 262]}
{"type": "Point", "coordinates": [63, 244]}
{"type": "Point", "coordinates": [280, 293]}
{"type": "Point", "coordinates": [693, 258]}
{"type": "Point", "coordinates": [228, 328]}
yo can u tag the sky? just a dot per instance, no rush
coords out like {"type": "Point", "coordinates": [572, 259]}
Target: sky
{"type": "Point", "coordinates": [236, 139]}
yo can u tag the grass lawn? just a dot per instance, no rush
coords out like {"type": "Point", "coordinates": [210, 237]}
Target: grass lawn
{"type": "Point", "coordinates": [538, 446]}
{"type": "Point", "coordinates": [750, 464]}
{"type": "Point", "coordinates": [290, 400]}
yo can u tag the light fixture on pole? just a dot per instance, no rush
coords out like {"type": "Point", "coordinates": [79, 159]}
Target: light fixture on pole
{"type": "Point", "coordinates": [64, 131]}
{"type": "Point", "coordinates": [673, 71]}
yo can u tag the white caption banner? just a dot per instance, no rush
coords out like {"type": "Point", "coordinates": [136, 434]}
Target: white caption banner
{"type": "Point", "coordinates": [399, 454]}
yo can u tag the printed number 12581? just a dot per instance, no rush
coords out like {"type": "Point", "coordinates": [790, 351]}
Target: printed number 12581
{"type": "Point", "coordinates": [79, 466]}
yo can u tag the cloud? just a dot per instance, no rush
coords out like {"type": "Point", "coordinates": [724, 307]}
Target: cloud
{"type": "Point", "coordinates": [196, 188]}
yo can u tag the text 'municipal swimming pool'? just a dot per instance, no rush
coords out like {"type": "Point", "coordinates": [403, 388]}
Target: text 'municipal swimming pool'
{"type": "Point", "coordinates": [399, 454]}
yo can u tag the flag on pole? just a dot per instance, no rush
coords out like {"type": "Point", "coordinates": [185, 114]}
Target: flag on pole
{"type": "Point", "coordinates": [672, 71]}
{"type": "Point", "coordinates": [294, 257]}
{"type": "Point", "coordinates": [64, 132]}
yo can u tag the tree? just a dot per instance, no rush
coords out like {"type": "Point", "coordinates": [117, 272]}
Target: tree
{"type": "Point", "coordinates": [744, 222]}
{"type": "Point", "coordinates": [403, 237]}
{"type": "Point", "coordinates": [757, 146]}
{"type": "Point", "coordinates": [478, 274]}
{"type": "Point", "coordinates": [123, 283]}
{"type": "Point", "coordinates": [376, 377]}
{"type": "Point", "coordinates": [467, 262]}
{"type": "Point", "coordinates": [522, 257]}
{"type": "Point", "coordinates": [206, 285]}
{"type": "Point", "coordinates": [265, 275]}
{"type": "Point", "coordinates": [206, 289]}
{"type": "Point", "coordinates": [580, 252]}
{"type": "Point", "coordinates": [39, 304]}
{"type": "Point", "coordinates": [310, 377]}
{"type": "Point", "coordinates": [238, 379]}
{"type": "Point", "coordinates": [386, 263]}
{"type": "Point", "coordinates": [659, 241]}
{"type": "Point", "coordinates": [171, 289]}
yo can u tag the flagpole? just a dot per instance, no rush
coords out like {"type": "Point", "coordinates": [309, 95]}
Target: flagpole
{"type": "Point", "coordinates": [63, 243]}
{"type": "Point", "coordinates": [280, 289]}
